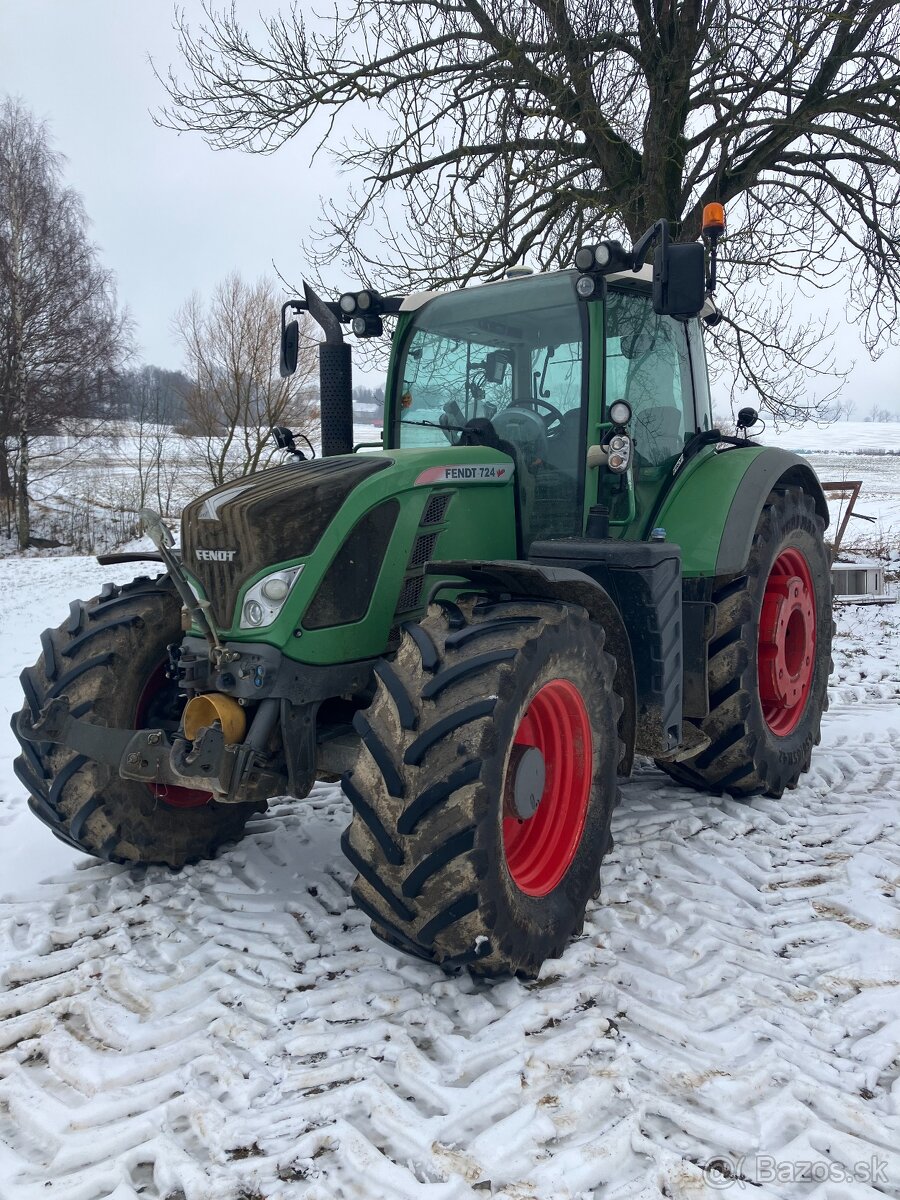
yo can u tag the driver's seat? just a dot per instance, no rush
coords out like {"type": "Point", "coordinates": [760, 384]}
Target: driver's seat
{"type": "Point", "coordinates": [562, 446]}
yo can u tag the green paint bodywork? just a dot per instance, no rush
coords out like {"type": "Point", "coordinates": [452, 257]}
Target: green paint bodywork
{"type": "Point", "coordinates": [695, 511]}
{"type": "Point", "coordinates": [480, 524]}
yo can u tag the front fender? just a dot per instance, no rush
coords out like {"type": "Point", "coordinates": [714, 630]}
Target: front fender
{"type": "Point", "coordinates": [712, 511]}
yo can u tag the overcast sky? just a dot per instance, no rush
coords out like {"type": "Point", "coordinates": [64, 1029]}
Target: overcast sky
{"type": "Point", "coordinates": [171, 215]}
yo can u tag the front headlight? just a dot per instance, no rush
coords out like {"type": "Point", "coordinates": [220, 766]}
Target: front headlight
{"type": "Point", "coordinates": [264, 601]}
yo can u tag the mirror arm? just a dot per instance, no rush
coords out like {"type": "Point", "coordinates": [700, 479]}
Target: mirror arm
{"type": "Point", "coordinates": [660, 230]}
{"type": "Point", "coordinates": [296, 306]}
{"type": "Point", "coordinates": [324, 314]}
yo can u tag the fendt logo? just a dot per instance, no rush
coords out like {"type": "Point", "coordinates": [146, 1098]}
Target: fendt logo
{"type": "Point", "coordinates": [216, 555]}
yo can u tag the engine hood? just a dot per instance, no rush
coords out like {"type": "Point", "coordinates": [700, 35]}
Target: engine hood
{"type": "Point", "coordinates": [239, 528]}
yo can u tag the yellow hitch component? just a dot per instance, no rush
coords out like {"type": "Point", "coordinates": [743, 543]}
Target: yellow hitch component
{"type": "Point", "coordinates": [201, 711]}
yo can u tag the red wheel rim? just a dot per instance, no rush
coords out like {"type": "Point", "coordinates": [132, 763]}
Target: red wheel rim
{"type": "Point", "coordinates": [786, 655]}
{"type": "Point", "coordinates": [147, 714]}
{"type": "Point", "coordinates": [540, 850]}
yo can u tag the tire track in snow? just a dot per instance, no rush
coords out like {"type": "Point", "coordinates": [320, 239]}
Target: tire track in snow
{"type": "Point", "coordinates": [238, 1029]}
{"type": "Point", "coordinates": [236, 1032]}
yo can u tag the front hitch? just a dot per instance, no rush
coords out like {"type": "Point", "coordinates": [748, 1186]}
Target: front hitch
{"type": "Point", "coordinates": [235, 774]}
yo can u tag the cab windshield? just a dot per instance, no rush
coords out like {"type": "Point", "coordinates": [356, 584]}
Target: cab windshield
{"type": "Point", "coordinates": [512, 353]}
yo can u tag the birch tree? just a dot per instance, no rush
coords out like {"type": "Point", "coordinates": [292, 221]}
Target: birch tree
{"type": "Point", "coordinates": [62, 335]}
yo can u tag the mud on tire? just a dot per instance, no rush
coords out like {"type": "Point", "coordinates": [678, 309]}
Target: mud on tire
{"type": "Point", "coordinates": [102, 659]}
{"type": "Point", "coordinates": [427, 834]}
{"type": "Point", "coordinates": [744, 755]}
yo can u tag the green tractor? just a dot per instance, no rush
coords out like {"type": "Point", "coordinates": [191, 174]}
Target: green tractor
{"type": "Point", "coordinates": [553, 562]}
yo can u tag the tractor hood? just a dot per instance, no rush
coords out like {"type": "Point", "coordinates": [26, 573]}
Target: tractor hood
{"type": "Point", "coordinates": [240, 528]}
{"type": "Point", "coordinates": [362, 528]}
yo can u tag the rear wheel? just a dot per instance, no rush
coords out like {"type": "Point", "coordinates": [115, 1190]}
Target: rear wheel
{"type": "Point", "coordinates": [109, 660]}
{"type": "Point", "coordinates": [769, 659]}
{"type": "Point", "coordinates": [484, 790]}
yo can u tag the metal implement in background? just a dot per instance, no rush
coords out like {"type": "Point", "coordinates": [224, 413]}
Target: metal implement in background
{"type": "Point", "coordinates": [849, 488]}
{"type": "Point", "coordinates": [859, 582]}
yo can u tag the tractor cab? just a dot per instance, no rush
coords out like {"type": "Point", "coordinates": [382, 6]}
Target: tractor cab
{"type": "Point", "coordinates": [528, 361]}
{"type": "Point", "coordinates": [508, 360]}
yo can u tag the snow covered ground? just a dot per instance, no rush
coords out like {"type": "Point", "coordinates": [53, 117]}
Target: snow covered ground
{"type": "Point", "coordinates": [847, 450]}
{"type": "Point", "coordinates": [234, 1032]}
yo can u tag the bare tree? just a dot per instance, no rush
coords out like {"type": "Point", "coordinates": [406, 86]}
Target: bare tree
{"type": "Point", "coordinates": [147, 388]}
{"type": "Point", "coordinates": [62, 336]}
{"type": "Point", "coordinates": [231, 356]}
{"type": "Point", "coordinates": [514, 127]}
{"type": "Point", "coordinates": [154, 399]}
{"type": "Point", "coordinates": [878, 413]}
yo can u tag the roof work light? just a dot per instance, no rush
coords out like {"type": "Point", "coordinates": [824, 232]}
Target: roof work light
{"type": "Point", "coordinates": [602, 258]}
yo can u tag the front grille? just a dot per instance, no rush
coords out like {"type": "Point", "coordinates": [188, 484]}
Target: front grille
{"type": "Point", "coordinates": [346, 589]}
{"type": "Point", "coordinates": [265, 519]}
{"type": "Point", "coordinates": [436, 508]}
{"type": "Point", "coordinates": [422, 552]}
{"type": "Point", "coordinates": [411, 594]}
{"type": "Point", "coordinates": [423, 548]}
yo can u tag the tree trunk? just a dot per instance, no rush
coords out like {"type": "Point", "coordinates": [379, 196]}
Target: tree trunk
{"type": "Point", "coordinates": [23, 515]}
{"type": "Point", "coordinates": [7, 488]}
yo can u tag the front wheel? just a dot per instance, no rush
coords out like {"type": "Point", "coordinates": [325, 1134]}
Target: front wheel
{"type": "Point", "coordinates": [484, 789]}
{"type": "Point", "coordinates": [109, 660]}
{"type": "Point", "coordinates": [769, 659]}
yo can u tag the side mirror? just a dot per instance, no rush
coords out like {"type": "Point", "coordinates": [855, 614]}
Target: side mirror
{"type": "Point", "coordinates": [679, 286]}
{"type": "Point", "coordinates": [284, 440]}
{"type": "Point", "coordinates": [290, 348]}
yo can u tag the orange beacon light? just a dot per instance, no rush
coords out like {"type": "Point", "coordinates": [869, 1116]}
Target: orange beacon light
{"type": "Point", "coordinates": [713, 220]}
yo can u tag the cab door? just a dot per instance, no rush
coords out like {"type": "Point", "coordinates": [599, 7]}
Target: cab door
{"type": "Point", "coordinates": [647, 362]}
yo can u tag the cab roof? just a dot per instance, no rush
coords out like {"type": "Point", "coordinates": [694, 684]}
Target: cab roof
{"type": "Point", "coordinates": [643, 278]}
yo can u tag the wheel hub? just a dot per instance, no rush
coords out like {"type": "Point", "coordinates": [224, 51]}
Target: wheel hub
{"type": "Point", "coordinates": [787, 642]}
{"type": "Point", "coordinates": [525, 779]}
{"type": "Point", "coordinates": [547, 788]}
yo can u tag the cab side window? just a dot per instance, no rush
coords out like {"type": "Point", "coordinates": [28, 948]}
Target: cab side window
{"type": "Point", "coordinates": [701, 375]}
{"type": "Point", "coordinates": [647, 364]}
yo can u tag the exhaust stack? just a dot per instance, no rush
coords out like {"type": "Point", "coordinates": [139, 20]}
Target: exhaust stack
{"type": "Point", "coordinates": [336, 398]}
{"type": "Point", "coordinates": [335, 379]}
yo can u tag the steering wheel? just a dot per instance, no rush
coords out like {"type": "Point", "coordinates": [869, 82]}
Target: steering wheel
{"type": "Point", "coordinates": [523, 426]}
{"type": "Point", "coordinates": [552, 417]}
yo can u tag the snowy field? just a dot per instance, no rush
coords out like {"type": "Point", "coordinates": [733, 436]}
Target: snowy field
{"type": "Point", "coordinates": [864, 450]}
{"type": "Point", "coordinates": [86, 494]}
{"type": "Point", "coordinates": [234, 1032]}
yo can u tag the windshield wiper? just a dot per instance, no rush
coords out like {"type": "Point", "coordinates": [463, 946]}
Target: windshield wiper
{"type": "Point", "coordinates": [434, 425]}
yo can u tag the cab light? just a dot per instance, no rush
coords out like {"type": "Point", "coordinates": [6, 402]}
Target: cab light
{"type": "Point", "coordinates": [619, 452]}
{"type": "Point", "coordinates": [620, 412]}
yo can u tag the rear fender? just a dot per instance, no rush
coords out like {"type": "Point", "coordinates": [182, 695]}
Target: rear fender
{"type": "Point", "coordinates": [713, 510]}
{"type": "Point", "coordinates": [568, 586]}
